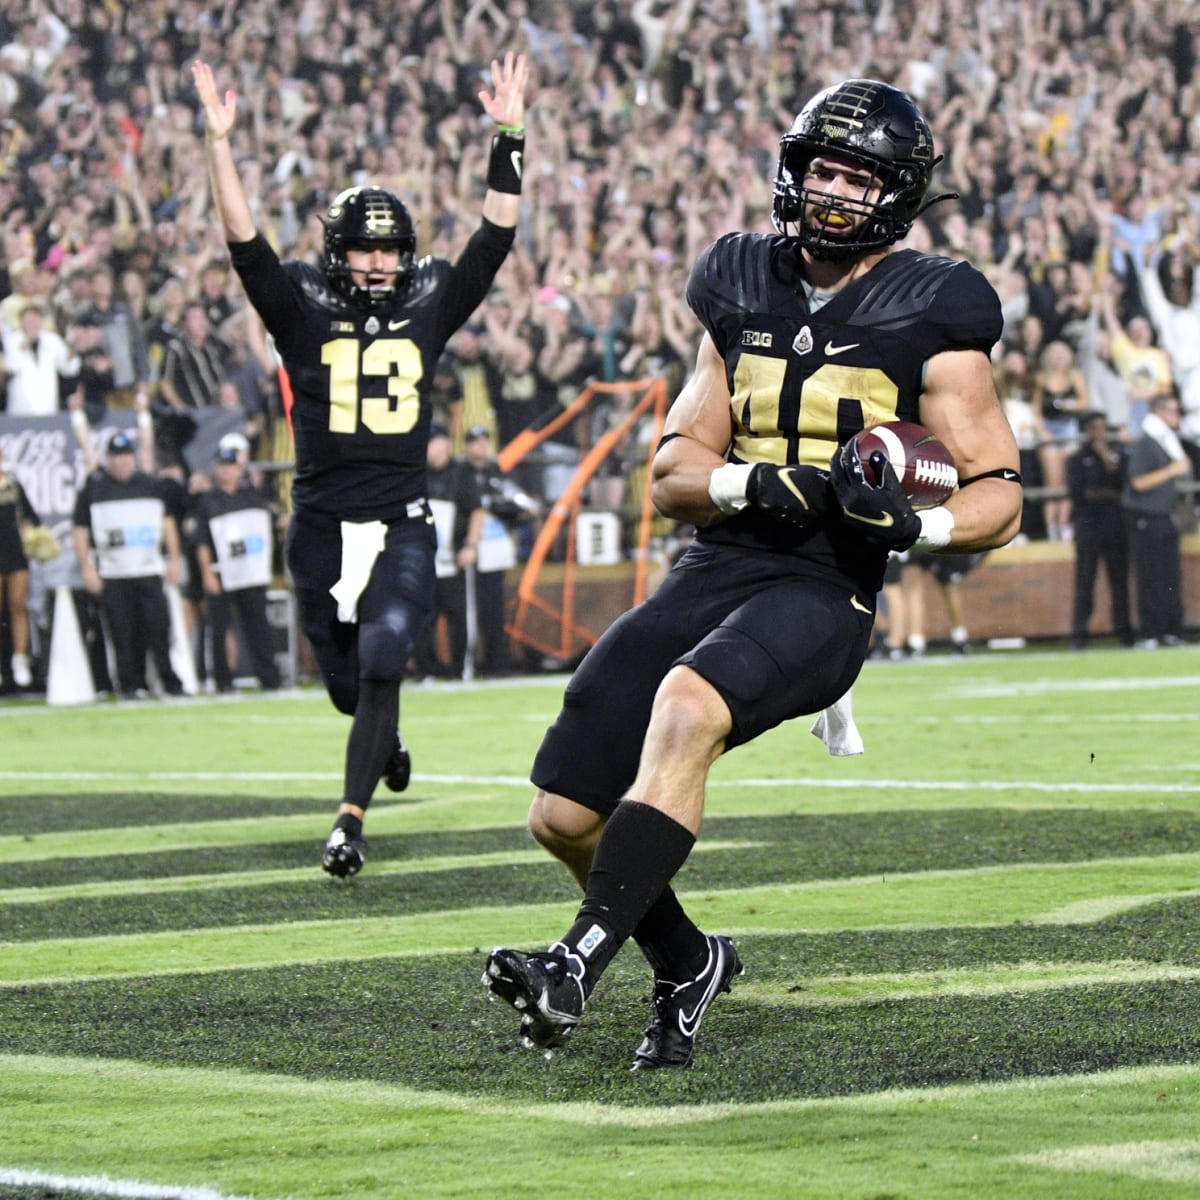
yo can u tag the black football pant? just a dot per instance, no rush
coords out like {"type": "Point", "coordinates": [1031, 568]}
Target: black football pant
{"type": "Point", "coordinates": [490, 615]}
{"type": "Point", "coordinates": [139, 623]}
{"type": "Point", "coordinates": [248, 606]}
{"type": "Point", "coordinates": [1158, 571]}
{"type": "Point", "coordinates": [1098, 541]}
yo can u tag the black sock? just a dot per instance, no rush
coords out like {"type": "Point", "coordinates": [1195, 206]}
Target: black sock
{"type": "Point", "coordinates": [638, 854]}
{"type": "Point", "coordinates": [673, 945]}
{"type": "Point", "coordinates": [350, 823]}
{"type": "Point", "coordinates": [372, 738]}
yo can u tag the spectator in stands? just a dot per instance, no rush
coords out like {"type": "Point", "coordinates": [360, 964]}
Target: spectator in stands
{"type": "Point", "coordinates": [122, 339]}
{"type": "Point", "coordinates": [1157, 462]}
{"type": "Point", "coordinates": [1059, 396]}
{"type": "Point", "coordinates": [165, 322]}
{"type": "Point", "coordinates": [195, 363]}
{"type": "Point", "coordinates": [1014, 386]}
{"type": "Point", "coordinates": [1168, 284]}
{"type": "Point", "coordinates": [1096, 475]}
{"type": "Point", "coordinates": [1105, 387]}
{"type": "Point", "coordinates": [39, 365]}
{"type": "Point", "coordinates": [94, 381]}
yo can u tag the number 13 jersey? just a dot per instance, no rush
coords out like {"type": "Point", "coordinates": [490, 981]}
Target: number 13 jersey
{"type": "Point", "coordinates": [361, 378]}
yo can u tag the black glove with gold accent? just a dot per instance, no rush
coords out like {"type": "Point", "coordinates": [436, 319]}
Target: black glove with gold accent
{"type": "Point", "coordinates": [879, 513]}
{"type": "Point", "coordinates": [796, 495]}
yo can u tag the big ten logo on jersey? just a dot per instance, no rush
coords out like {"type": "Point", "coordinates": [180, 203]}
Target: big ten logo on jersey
{"type": "Point", "coordinates": [756, 337]}
{"type": "Point", "coordinates": [241, 547]}
{"type": "Point", "coordinates": [138, 537]}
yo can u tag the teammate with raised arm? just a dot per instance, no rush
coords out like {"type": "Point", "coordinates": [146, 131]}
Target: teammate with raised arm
{"type": "Point", "coordinates": [359, 338]}
{"type": "Point", "coordinates": [810, 335]}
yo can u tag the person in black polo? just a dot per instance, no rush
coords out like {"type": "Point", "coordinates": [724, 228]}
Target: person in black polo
{"type": "Point", "coordinates": [1095, 478]}
{"type": "Point", "coordinates": [121, 529]}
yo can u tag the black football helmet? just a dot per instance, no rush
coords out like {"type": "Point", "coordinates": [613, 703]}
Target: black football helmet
{"type": "Point", "coordinates": [367, 218]}
{"type": "Point", "coordinates": [871, 124]}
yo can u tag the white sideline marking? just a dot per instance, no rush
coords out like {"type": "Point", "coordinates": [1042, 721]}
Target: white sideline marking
{"type": "Point", "coordinates": [1047, 687]}
{"type": "Point", "coordinates": [1161, 1162]}
{"type": "Point", "coordinates": [101, 1185]}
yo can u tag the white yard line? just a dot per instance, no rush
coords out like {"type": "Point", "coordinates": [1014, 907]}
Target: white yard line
{"type": "Point", "coordinates": [101, 1185]}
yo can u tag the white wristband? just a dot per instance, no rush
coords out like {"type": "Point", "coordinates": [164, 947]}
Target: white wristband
{"type": "Point", "coordinates": [937, 524]}
{"type": "Point", "coordinates": [727, 486]}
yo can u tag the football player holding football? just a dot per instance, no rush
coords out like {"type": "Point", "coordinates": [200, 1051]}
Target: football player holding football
{"type": "Point", "coordinates": [359, 339]}
{"type": "Point", "coordinates": [810, 335]}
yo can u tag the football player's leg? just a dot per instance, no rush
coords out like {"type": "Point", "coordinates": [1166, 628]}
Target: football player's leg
{"type": "Point", "coordinates": [733, 688]}
{"type": "Point", "coordinates": [392, 610]}
{"type": "Point", "coordinates": [587, 761]}
{"type": "Point", "coordinates": [314, 558]}
{"type": "Point", "coordinates": [650, 834]}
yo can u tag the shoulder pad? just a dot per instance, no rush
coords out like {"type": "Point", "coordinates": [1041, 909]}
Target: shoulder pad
{"type": "Point", "coordinates": [315, 287]}
{"type": "Point", "coordinates": [946, 293]}
{"type": "Point", "coordinates": [733, 272]}
{"type": "Point", "coordinates": [427, 273]}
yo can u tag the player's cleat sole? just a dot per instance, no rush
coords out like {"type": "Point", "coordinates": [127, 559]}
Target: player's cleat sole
{"type": "Point", "coordinates": [680, 1007]}
{"type": "Point", "coordinates": [344, 856]}
{"type": "Point", "coordinates": [398, 769]}
{"type": "Point", "coordinates": [543, 988]}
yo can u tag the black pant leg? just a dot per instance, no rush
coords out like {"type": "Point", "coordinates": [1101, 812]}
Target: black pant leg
{"type": "Point", "coordinates": [220, 619]}
{"type": "Point", "coordinates": [489, 607]}
{"type": "Point", "coordinates": [156, 622]}
{"type": "Point", "coordinates": [1087, 559]}
{"type": "Point", "coordinates": [251, 606]}
{"type": "Point", "coordinates": [122, 615]}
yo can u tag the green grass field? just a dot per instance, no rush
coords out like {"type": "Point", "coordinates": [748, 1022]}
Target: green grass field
{"type": "Point", "coordinates": [972, 958]}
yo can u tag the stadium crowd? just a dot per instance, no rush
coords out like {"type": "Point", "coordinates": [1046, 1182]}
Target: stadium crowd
{"type": "Point", "coordinates": [1070, 129]}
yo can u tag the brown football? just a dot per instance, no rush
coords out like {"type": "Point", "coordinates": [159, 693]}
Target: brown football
{"type": "Point", "coordinates": [923, 465]}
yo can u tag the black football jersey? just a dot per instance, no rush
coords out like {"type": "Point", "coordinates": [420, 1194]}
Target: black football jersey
{"type": "Point", "coordinates": [361, 378]}
{"type": "Point", "coordinates": [804, 381]}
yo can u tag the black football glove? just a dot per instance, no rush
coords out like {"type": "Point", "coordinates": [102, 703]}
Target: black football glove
{"type": "Point", "coordinates": [878, 513]}
{"type": "Point", "coordinates": [796, 495]}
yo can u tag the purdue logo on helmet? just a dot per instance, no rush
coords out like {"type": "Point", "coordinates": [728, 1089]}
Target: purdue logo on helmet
{"type": "Point", "coordinates": [366, 218]}
{"type": "Point", "coordinates": [866, 123]}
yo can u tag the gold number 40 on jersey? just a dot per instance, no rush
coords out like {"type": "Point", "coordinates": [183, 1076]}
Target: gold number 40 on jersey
{"type": "Point", "coordinates": [398, 359]}
{"type": "Point", "coordinates": [825, 396]}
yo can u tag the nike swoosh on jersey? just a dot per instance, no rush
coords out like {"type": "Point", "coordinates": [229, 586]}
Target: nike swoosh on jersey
{"type": "Point", "coordinates": [831, 349]}
{"type": "Point", "coordinates": [394, 325]}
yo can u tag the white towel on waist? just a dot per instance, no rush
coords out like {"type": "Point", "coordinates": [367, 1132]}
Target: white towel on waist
{"type": "Point", "coordinates": [836, 728]}
{"type": "Point", "coordinates": [362, 542]}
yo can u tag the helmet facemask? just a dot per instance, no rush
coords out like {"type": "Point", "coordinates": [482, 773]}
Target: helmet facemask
{"type": "Point", "coordinates": [368, 218]}
{"type": "Point", "coordinates": [811, 215]}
